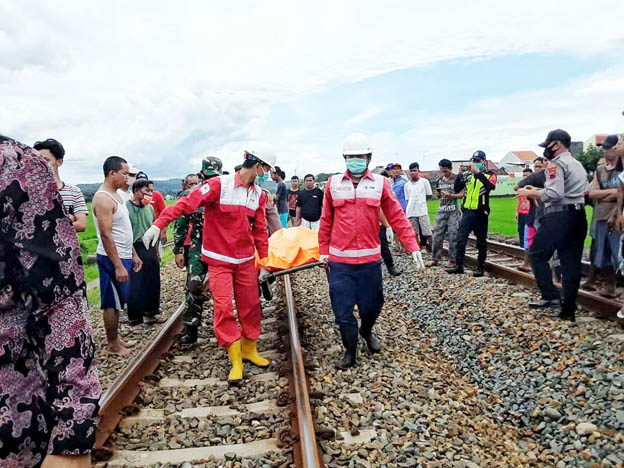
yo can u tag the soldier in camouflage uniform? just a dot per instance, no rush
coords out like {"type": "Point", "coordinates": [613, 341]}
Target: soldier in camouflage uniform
{"type": "Point", "coordinates": [196, 269]}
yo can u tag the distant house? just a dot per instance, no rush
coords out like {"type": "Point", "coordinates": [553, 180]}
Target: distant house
{"type": "Point", "coordinates": [515, 161]}
{"type": "Point", "coordinates": [594, 140]}
{"type": "Point", "coordinates": [378, 169]}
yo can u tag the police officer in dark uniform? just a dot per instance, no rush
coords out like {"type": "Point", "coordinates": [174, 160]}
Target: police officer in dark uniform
{"type": "Point", "coordinates": [563, 226]}
{"type": "Point", "coordinates": [476, 186]}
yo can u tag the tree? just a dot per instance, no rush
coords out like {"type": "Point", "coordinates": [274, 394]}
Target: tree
{"type": "Point", "coordinates": [322, 177]}
{"type": "Point", "coordinates": [589, 158]}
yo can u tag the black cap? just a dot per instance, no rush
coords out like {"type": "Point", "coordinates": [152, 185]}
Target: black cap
{"type": "Point", "coordinates": [141, 175]}
{"type": "Point", "coordinates": [610, 142]}
{"type": "Point", "coordinates": [478, 155]}
{"type": "Point", "coordinates": [557, 135]}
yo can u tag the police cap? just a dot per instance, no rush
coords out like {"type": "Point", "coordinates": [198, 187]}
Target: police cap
{"type": "Point", "coordinates": [557, 135]}
{"type": "Point", "coordinates": [478, 156]}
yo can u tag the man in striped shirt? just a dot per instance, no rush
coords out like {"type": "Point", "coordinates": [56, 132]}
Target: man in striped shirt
{"type": "Point", "coordinates": [73, 200]}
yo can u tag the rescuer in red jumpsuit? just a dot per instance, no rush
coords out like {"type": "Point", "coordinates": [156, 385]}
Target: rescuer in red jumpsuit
{"type": "Point", "coordinates": [234, 226]}
{"type": "Point", "coordinates": [349, 242]}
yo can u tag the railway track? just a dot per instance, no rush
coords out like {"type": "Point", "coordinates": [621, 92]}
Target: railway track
{"type": "Point", "coordinates": [503, 259]}
{"type": "Point", "coordinates": [172, 405]}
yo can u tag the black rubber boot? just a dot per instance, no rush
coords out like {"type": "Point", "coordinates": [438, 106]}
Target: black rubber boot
{"type": "Point", "coordinates": [266, 290]}
{"type": "Point", "coordinates": [373, 343]}
{"type": "Point", "coordinates": [190, 335]}
{"type": "Point", "coordinates": [569, 316]}
{"type": "Point", "coordinates": [349, 340]}
{"type": "Point", "coordinates": [478, 273]}
{"type": "Point", "coordinates": [457, 269]}
{"type": "Point", "coordinates": [393, 271]}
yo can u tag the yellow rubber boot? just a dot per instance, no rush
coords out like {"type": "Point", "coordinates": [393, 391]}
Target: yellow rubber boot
{"type": "Point", "coordinates": [236, 373]}
{"type": "Point", "coordinates": [250, 353]}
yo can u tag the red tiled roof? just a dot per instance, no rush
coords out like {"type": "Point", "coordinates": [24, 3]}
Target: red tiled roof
{"type": "Point", "coordinates": [525, 155]}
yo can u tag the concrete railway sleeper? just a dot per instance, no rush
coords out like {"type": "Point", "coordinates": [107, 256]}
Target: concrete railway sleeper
{"type": "Point", "coordinates": [172, 405]}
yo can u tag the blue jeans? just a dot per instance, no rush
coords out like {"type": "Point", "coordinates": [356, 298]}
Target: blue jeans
{"type": "Point", "coordinates": [356, 284]}
{"type": "Point", "coordinates": [607, 246]}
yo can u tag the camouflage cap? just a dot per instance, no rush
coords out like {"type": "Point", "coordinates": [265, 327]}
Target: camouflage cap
{"type": "Point", "coordinates": [211, 166]}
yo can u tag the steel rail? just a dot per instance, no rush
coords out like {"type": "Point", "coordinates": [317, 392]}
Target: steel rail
{"type": "Point", "coordinates": [512, 250]}
{"type": "Point", "coordinates": [593, 302]}
{"type": "Point", "coordinates": [127, 386]}
{"type": "Point", "coordinates": [305, 421]}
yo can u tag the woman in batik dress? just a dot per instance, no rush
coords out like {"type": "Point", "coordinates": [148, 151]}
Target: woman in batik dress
{"type": "Point", "coordinates": [49, 388]}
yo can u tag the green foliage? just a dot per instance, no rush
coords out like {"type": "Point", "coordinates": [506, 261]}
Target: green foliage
{"type": "Point", "coordinates": [322, 177]}
{"type": "Point", "coordinates": [589, 159]}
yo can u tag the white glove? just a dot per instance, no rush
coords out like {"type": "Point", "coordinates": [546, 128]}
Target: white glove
{"type": "Point", "coordinates": [418, 260]}
{"type": "Point", "coordinates": [151, 236]}
{"type": "Point", "coordinates": [264, 274]}
{"type": "Point", "coordinates": [389, 235]}
{"type": "Point", "coordinates": [324, 258]}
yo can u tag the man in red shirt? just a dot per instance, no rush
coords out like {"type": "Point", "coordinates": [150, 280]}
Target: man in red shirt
{"type": "Point", "coordinates": [349, 243]}
{"type": "Point", "coordinates": [234, 226]}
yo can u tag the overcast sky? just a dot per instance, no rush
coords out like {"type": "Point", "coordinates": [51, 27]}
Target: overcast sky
{"type": "Point", "coordinates": [165, 83]}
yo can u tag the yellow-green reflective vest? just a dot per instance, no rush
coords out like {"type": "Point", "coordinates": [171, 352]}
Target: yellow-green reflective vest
{"type": "Point", "coordinates": [473, 191]}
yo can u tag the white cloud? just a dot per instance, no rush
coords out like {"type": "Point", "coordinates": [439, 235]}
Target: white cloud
{"type": "Point", "coordinates": [520, 121]}
{"type": "Point", "coordinates": [165, 83]}
{"type": "Point", "coordinates": [363, 116]}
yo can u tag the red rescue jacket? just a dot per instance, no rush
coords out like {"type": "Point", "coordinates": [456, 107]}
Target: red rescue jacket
{"type": "Point", "coordinates": [349, 230]}
{"type": "Point", "coordinates": [234, 219]}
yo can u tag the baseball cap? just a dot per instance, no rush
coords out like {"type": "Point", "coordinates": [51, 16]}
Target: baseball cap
{"type": "Point", "coordinates": [610, 142]}
{"type": "Point", "coordinates": [557, 135]}
{"type": "Point", "coordinates": [132, 169]}
{"type": "Point", "coordinates": [389, 166]}
{"type": "Point", "coordinates": [141, 175]}
{"type": "Point", "coordinates": [397, 165]}
{"type": "Point", "coordinates": [478, 155]}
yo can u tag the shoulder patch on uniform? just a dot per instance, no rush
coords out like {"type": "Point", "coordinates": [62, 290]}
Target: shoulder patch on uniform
{"type": "Point", "coordinates": [204, 189]}
{"type": "Point", "coordinates": [552, 171]}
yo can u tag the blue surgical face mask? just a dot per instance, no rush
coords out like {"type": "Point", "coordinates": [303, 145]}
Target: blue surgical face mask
{"type": "Point", "coordinates": [479, 166]}
{"type": "Point", "coordinates": [263, 178]}
{"type": "Point", "coordinates": [357, 166]}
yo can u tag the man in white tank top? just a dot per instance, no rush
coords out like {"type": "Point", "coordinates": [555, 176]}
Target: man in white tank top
{"type": "Point", "coordinates": [115, 254]}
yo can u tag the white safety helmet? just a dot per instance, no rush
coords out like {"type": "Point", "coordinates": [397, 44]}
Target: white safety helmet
{"type": "Point", "coordinates": [355, 144]}
{"type": "Point", "coordinates": [262, 152]}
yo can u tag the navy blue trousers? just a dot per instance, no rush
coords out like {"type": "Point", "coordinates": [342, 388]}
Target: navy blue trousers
{"type": "Point", "coordinates": [356, 284]}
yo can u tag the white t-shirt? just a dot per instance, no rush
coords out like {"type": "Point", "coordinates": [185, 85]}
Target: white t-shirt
{"type": "Point", "coordinates": [125, 196]}
{"type": "Point", "coordinates": [416, 196]}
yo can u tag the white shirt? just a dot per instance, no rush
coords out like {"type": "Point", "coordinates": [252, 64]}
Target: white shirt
{"type": "Point", "coordinates": [125, 196]}
{"type": "Point", "coordinates": [416, 195]}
